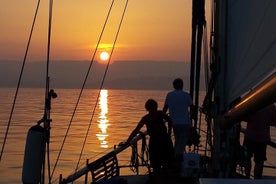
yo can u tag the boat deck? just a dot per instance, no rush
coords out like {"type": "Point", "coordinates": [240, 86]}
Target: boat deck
{"type": "Point", "coordinates": [235, 181]}
{"type": "Point", "coordinates": [144, 179]}
{"type": "Point", "coordinates": [159, 179]}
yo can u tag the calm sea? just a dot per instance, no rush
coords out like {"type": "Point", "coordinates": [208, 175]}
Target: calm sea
{"type": "Point", "coordinates": [111, 119]}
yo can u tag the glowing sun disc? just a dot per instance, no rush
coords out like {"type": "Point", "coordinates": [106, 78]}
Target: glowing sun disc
{"type": "Point", "coordinates": [104, 56]}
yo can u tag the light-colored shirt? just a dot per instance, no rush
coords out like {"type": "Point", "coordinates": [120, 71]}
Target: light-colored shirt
{"type": "Point", "coordinates": [178, 102]}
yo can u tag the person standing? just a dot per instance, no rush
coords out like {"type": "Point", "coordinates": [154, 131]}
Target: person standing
{"type": "Point", "coordinates": [160, 145]}
{"type": "Point", "coordinates": [179, 103]}
{"type": "Point", "coordinates": [257, 136]}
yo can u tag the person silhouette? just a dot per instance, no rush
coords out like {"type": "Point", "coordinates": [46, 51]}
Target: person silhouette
{"type": "Point", "coordinates": [161, 153]}
{"type": "Point", "coordinates": [256, 138]}
{"type": "Point", "coordinates": [179, 103]}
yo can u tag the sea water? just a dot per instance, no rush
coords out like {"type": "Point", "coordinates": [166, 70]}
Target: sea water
{"type": "Point", "coordinates": [102, 118]}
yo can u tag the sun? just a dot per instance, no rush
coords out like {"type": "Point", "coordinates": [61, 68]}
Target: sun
{"type": "Point", "coordinates": [104, 56]}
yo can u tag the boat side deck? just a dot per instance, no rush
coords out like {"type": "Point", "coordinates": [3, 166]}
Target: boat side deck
{"type": "Point", "coordinates": [144, 179]}
{"type": "Point", "coordinates": [161, 179]}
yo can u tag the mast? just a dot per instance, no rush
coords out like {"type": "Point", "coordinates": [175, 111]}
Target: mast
{"type": "Point", "coordinates": [49, 94]}
{"type": "Point", "coordinates": [198, 23]}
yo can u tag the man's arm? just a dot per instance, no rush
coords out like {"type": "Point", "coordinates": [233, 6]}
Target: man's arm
{"type": "Point", "coordinates": [165, 108]}
{"type": "Point", "coordinates": [169, 120]}
{"type": "Point", "coordinates": [192, 111]}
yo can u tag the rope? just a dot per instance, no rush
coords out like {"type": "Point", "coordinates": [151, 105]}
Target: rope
{"type": "Point", "coordinates": [134, 160]}
{"type": "Point", "coordinates": [134, 156]}
{"type": "Point", "coordinates": [102, 83]}
{"type": "Point", "coordinates": [205, 57]}
{"type": "Point", "coordinates": [144, 150]}
{"type": "Point", "coordinates": [19, 80]}
{"type": "Point", "coordinates": [207, 102]}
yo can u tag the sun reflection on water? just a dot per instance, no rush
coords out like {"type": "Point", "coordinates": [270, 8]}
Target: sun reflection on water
{"type": "Point", "coordinates": [102, 119]}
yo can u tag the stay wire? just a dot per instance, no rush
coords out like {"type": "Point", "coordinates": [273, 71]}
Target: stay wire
{"type": "Point", "coordinates": [205, 55]}
{"type": "Point", "coordinates": [19, 79]}
{"type": "Point", "coordinates": [82, 88]}
{"type": "Point", "coordinates": [103, 80]}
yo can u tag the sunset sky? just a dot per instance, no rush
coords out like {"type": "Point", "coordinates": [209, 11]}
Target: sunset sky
{"type": "Point", "coordinates": [152, 29]}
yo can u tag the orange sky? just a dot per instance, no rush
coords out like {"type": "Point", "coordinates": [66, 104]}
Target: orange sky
{"type": "Point", "coordinates": [152, 29]}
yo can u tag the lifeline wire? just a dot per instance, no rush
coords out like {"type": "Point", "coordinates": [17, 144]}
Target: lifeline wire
{"type": "Point", "coordinates": [19, 80]}
{"type": "Point", "coordinates": [86, 77]}
{"type": "Point", "coordinates": [116, 37]}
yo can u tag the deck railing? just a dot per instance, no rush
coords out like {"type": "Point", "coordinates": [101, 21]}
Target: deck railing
{"type": "Point", "coordinates": [108, 166]}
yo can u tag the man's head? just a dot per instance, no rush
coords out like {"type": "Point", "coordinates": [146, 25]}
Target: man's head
{"type": "Point", "coordinates": [178, 83]}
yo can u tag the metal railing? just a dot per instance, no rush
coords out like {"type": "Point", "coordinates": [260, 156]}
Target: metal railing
{"type": "Point", "coordinates": [138, 162]}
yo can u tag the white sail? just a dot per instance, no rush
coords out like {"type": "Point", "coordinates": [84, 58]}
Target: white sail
{"type": "Point", "coordinates": [249, 45]}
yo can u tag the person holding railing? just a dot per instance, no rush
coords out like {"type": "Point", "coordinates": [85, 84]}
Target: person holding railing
{"type": "Point", "coordinates": [161, 153]}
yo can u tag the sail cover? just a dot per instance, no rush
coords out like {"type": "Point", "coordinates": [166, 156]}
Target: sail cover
{"type": "Point", "coordinates": [249, 45]}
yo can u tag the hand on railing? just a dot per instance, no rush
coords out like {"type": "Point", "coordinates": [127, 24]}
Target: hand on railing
{"type": "Point", "coordinates": [124, 143]}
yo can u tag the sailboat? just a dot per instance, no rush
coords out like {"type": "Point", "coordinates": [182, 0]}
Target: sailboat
{"type": "Point", "coordinates": [242, 81]}
{"type": "Point", "coordinates": [242, 73]}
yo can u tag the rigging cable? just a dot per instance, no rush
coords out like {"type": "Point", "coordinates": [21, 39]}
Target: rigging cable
{"type": "Point", "coordinates": [205, 57]}
{"type": "Point", "coordinates": [102, 83]}
{"type": "Point", "coordinates": [207, 79]}
{"type": "Point", "coordinates": [198, 24]}
{"type": "Point", "coordinates": [19, 80]}
{"type": "Point", "coordinates": [207, 102]}
{"type": "Point", "coordinates": [82, 88]}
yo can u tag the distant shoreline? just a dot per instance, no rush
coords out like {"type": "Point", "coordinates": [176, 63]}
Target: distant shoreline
{"type": "Point", "coordinates": [144, 75]}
